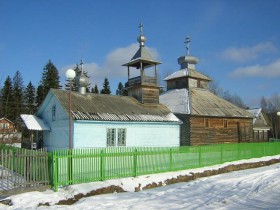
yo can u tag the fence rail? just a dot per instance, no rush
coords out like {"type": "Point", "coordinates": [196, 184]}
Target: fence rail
{"type": "Point", "coordinates": [93, 164]}
{"type": "Point", "coordinates": [22, 169]}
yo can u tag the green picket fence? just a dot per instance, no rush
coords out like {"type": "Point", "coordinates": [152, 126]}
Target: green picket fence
{"type": "Point", "coordinates": [274, 140]}
{"type": "Point", "coordinates": [95, 164]}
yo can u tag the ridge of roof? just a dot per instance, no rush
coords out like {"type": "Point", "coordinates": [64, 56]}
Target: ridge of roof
{"type": "Point", "coordinates": [6, 119]}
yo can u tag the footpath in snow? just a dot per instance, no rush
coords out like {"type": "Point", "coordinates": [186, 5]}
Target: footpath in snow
{"type": "Point", "coordinates": [257, 188]}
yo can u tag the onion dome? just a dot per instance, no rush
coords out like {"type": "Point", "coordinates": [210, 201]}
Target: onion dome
{"type": "Point", "coordinates": [82, 80]}
{"type": "Point", "coordinates": [141, 39]}
{"type": "Point", "coordinates": [187, 61]}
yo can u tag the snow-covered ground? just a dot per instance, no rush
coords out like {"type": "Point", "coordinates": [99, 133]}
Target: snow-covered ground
{"type": "Point", "coordinates": [248, 189]}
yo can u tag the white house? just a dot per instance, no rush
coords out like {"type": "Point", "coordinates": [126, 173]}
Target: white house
{"type": "Point", "coordinates": [261, 125]}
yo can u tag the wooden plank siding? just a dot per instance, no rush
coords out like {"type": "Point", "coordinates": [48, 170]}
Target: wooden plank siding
{"type": "Point", "coordinates": [214, 130]}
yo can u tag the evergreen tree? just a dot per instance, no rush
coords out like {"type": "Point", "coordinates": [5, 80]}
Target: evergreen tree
{"type": "Point", "coordinates": [18, 96]}
{"type": "Point", "coordinates": [6, 98]}
{"type": "Point", "coordinates": [39, 95]}
{"type": "Point", "coordinates": [50, 78]}
{"type": "Point", "coordinates": [106, 87]}
{"type": "Point", "coordinates": [125, 89]}
{"type": "Point", "coordinates": [95, 89]}
{"type": "Point", "coordinates": [119, 91]}
{"type": "Point", "coordinates": [29, 97]}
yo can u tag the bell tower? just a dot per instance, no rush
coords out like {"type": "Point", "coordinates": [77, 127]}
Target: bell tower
{"type": "Point", "coordinates": [145, 86]}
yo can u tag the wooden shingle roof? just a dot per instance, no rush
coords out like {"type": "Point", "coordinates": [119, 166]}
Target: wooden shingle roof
{"type": "Point", "coordinates": [105, 107]}
{"type": "Point", "coordinates": [205, 103]}
{"type": "Point", "coordinates": [142, 55]}
{"type": "Point", "coordinates": [201, 102]}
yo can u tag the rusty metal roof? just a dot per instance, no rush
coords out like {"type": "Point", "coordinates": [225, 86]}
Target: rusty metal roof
{"type": "Point", "coordinates": [105, 107]}
{"type": "Point", "coordinates": [205, 103]}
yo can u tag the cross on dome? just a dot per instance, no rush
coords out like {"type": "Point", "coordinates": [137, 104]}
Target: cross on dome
{"type": "Point", "coordinates": [82, 63]}
{"type": "Point", "coordinates": [188, 40]}
{"type": "Point", "coordinates": [141, 28]}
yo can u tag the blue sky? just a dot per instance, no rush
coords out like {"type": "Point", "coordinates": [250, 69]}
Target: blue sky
{"type": "Point", "coordinates": [237, 42]}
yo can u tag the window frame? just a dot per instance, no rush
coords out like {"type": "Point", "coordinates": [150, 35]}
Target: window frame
{"type": "Point", "coordinates": [206, 122]}
{"type": "Point", "coordinates": [111, 137]}
{"type": "Point", "coordinates": [121, 134]}
{"type": "Point", "coordinates": [225, 123]}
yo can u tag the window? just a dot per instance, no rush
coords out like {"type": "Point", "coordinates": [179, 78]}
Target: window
{"type": "Point", "coordinates": [4, 125]}
{"type": "Point", "coordinates": [121, 136]}
{"type": "Point", "coordinates": [111, 137]}
{"type": "Point", "coordinates": [177, 84]}
{"type": "Point", "coordinates": [53, 112]}
{"type": "Point", "coordinates": [261, 135]}
{"type": "Point", "coordinates": [206, 123]}
{"type": "Point", "coordinates": [113, 133]}
{"type": "Point", "coordinates": [225, 123]}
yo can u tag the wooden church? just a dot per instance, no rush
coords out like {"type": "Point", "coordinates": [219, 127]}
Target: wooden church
{"type": "Point", "coordinates": [207, 118]}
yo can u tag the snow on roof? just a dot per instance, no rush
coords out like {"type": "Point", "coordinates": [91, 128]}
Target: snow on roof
{"type": "Point", "coordinates": [177, 74]}
{"type": "Point", "coordinates": [187, 72]}
{"type": "Point", "coordinates": [255, 111]}
{"type": "Point", "coordinates": [176, 100]}
{"type": "Point", "coordinates": [32, 122]}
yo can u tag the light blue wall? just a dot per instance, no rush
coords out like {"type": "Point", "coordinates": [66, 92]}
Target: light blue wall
{"type": "Point", "coordinates": [58, 137]}
{"type": "Point", "coordinates": [93, 134]}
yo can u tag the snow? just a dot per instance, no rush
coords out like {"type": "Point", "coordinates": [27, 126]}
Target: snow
{"type": "Point", "coordinates": [178, 74]}
{"type": "Point", "coordinates": [257, 188]}
{"type": "Point", "coordinates": [32, 122]}
{"type": "Point", "coordinates": [177, 100]}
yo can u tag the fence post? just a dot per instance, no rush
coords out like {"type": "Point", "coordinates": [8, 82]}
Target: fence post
{"type": "Point", "coordinates": [135, 162]}
{"type": "Point", "coordinates": [199, 156]}
{"type": "Point", "coordinates": [222, 153]}
{"type": "Point", "coordinates": [55, 172]}
{"type": "Point", "coordinates": [70, 165]}
{"type": "Point", "coordinates": [170, 159]}
{"type": "Point", "coordinates": [238, 151]}
{"type": "Point", "coordinates": [102, 165]}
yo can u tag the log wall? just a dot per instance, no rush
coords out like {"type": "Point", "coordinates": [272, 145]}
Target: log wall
{"type": "Point", "coordinates": [211, 130]}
